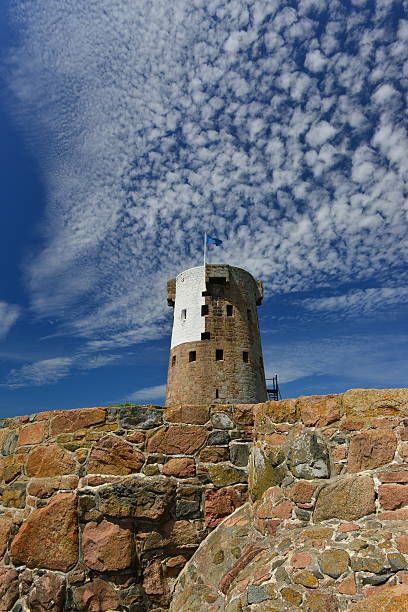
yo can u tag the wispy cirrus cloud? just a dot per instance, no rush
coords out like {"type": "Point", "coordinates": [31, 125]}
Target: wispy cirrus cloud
{"type": "Point", "coordinates": [9, 313]}
{"type": "Point", "coordinates": [44, 372]}
{"type": "Point", "coordinates": [360, 301]}
{"type": "Point", "coordinates": [154, 120]}
{"type": "Point", "coordinates": [156, 392]}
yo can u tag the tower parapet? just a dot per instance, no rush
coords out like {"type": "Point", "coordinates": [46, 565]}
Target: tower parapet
{"type": "Point", "coordinates": [215, 354]}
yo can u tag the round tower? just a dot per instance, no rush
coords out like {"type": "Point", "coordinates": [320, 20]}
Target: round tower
{"type": "Point", "coordinates": [215, 354]}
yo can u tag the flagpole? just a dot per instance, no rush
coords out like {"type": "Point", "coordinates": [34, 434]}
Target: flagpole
{"type": "Point", "coordinates": [205, 248]}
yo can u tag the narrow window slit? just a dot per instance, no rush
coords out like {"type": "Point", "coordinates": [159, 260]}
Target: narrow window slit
{"type": "Point", "coordinates": [192, 356]}
{"type": "Point", "coordinates": [219, 355]}
{"type": "Point", "coordinates": [245, 356]}
{"type": "Point", "coordinates": [230, 310]}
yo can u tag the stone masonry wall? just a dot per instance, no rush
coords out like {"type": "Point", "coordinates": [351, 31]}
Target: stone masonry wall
{"type": "Point", "coordinates": [325, 528]}
{"type": "Point", "coordinates": [101, 507]}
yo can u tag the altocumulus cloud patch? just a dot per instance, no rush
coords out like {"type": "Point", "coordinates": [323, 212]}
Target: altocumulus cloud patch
{"type": "Point", "coordinates": [159, 119]}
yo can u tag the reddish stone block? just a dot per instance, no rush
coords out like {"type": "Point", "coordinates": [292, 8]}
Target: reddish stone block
{"type": "Point", "coordinates": [31, 434]}
{"type": "Point", "coordinates": [47, 486]}
{"type": "Point", "coordinates": [44, 461]}
{"type": "Point", "coordinates": [403, 450]}
{"type": "Point", "coordinates": [402, 544]}
{"type": "Point", "coordinates": [393, 476]}
{"type": "Point", "coordinates": [49, 537]}
{"type": "Point", "coordinates": [302, 491]}
{"type": "Point", "coordinates": [244, 414]}
{"type": "Point", "coordinates": [194, 415]}
{"type": "Point", "coordinates": [177, 440]}
{"type": "Point", "coordinates": [276, 439]}
{"type": "Point", "coordinates": [348, 585]}
{"type": "Point", "coordinates": [181, 467]}
{"type": "Point", "coordinates": [112, 455]}
{"type": "Point", "coordinates": [153, 582]}
{"type": "Point", "coordinates": [72, 420]}
{"type": "Point", "coordinates": [346, 527]}
{"type": "Point", "coordinates": [394, 515]}
{"type": "Point", "coordinates": [219, 503]}
{"type": "Point", "coordinates": [300, 560]}
{"type": "Point", "coordinates": [339, 453]}
{"type": "Point", "coordinates": [282, 510]}
{"type": "Point", "coordinates": [137, 437]}
{"type": "Point", "coordinates": [353, 425]}
{"type": "Point", "coordinates": [6, 525]}
{"type": "Point", "coordinates": [8, 588]}
{"type": "Point", "coordinates": [319, 410]}
{"type": "Point", "coordinates": [371, 449]}
{"type": "Point", "coordinates": [48, 593]}
{"type": "Point", "coordinates": [97, 595]}
{"type": "Point", "coordinates": [106, 546]}
{"type": "Point", "coordinates": [393, 496]}
{"type": "Point", "coordinates": [404, 433]}
{"type": "Point", "coordinates": [382, 423]}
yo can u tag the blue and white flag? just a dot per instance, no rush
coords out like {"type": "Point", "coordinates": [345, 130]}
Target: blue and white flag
{"type": "Point", "coordinates": [215, 241]}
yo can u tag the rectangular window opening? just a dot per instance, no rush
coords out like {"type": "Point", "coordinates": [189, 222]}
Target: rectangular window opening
{"type": "Point", "coordinates": [204, 310]}
{"type": "Point", "coordinates": [192, 356]}
{"type": "Point", "coordinates": [249, 314]}
{"type": "Point", "coordinates": [184, 314]}
{"type": "Point", "coordinates": [173, 360]}
{"type": "Point", "coordinates": [230, 310]}
{"type": "Point", "coordinates": [205, 336]}
{"type": "Point", "coordinates": [245, 356]}
{"type": "Point", "coordinates": [219, 355]}
{"type": "Point", "coordinates": [216, 394]}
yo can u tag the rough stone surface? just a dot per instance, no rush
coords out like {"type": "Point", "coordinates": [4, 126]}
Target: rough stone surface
{"type": "Point", "coordinates": [143, 498]}
{"type": "Point", "coordinates": [393, 496]}
{"type": "Point", "coordinates": [8, 588]}
{"type": "Point", "coordinates": [334, 562]}
{"type": "Point", "coordinates": [14, 496]}
{"type": "Point", "coordinates": [44, 461]}
{"type": "Point", "coordinates": [112, 455]}
{"type": "Point", "coordinates": [6, 525]}
{"type": "Point", "coordinates": [97, 596]}
{"type": "Point", "coordinates": [392, 599]}
{"type": "Point", "coordinates": [321, 602]}
{"type": "Point", "coordinates": [218, 504]}
{"type": "Point", "coordinates": [72, 420]}
{"type": "Point", "coordinates": [319, 410]}
{"type": "Point", "coordinates": [239, 453]}
{"type": "Point", "coordinates": [266, 469]}
{"type": "Point", "coordinates": [175, 440]}
{"type": "Point", "coordinates": [308, 456]}
{"type": "Point", "coordinates": [48, 593]}
{"type": "Point", "coordinates": [55, 524]}
{"type": "Point", "coordinates": [31, 434]}
{"type": "Point", "coordinates": [221, 420]}
{"type": "Point", "coordinates": [143, 418]}
{"type": "Point", "coordinates": [181, 467]}
{"type": "Point", "coordinates": [371, 449]}
{"type": "Point", "coordinates": [195, 415]}
{"type": "Point", "coordinates": [214, 454]}
{"type": "Point", "coordinates": [107, 547]}
{"type": "Point", "coordinates": [348, 499]}
{"type": "Point", "coordinates": [222, 475]}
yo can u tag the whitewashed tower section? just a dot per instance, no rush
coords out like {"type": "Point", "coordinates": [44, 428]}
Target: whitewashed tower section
{"type": "Point", "coordinates": [215, 354]}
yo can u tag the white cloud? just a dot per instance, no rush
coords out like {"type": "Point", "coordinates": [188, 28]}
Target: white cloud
{"type": "Point", "coordinates": [44, 372]}
{"type": "Point", "coordinates": [153, 121]}
{"type": "Point", "coordinates": [148, 394]}
{"type": "Point", "coordinates": [9, 314]}
{"type": "Point", "coordinates": [361, 301]}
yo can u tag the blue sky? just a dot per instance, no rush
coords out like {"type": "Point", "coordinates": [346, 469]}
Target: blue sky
{"type": "Point", "coordinates": [128, 128]}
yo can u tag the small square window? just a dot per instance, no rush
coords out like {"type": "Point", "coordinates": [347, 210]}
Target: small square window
{"type": "Point", "coordinates": [173, 360]}
{"type": "Point", "coordinates": [204, 310]}
{"type": "Point", "coordinates": [249, 314]}
{"type": "Point", "coordinates": [219, 355]}
{"type": "Point", "coordinates": [205, 336]}
{"type": "Point", "coordinates": [192, 356]}
{"type": "Point", "coordinates": [245, 356]}
{"type": "Point", "coordinates": [230, 310]}
{"type": "Point", "coordinates": [184, 314]}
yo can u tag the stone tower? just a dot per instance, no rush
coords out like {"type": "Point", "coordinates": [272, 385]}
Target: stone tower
{"type": "Point", "coordinates": [216, 354]}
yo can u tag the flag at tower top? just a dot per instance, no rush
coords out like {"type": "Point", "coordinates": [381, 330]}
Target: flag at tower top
{"type": "Point", "coordinates": [211, 240]}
